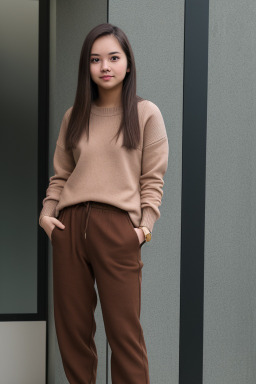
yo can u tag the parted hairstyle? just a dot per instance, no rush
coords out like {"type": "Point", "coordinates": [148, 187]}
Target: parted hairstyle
{"type": "Point", "coordinates": [87, 92]}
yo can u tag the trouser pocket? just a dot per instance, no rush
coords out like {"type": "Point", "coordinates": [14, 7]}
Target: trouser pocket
{"type": "Point", "coordinates": [57, 229]}
{"type": "Point", "coordinates": [134, 232]}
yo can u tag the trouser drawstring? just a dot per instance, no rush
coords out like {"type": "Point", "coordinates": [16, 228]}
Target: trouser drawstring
{"type": "Point", "coordinates": [88, 209]}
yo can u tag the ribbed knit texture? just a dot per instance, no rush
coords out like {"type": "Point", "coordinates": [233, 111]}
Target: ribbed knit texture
{"type": "Point", "coordinates": [102, 170]}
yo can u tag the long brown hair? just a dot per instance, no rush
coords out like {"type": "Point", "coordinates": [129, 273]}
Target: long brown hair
{"type": "Point", "coordinates": [87, 92]}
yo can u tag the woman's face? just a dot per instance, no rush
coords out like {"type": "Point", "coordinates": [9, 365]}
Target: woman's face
{"type": "Point", "coordinates": [108, 58]}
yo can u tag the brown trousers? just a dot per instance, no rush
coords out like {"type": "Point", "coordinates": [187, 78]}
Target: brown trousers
{"type": "Point", "coordinates": [98, 242]}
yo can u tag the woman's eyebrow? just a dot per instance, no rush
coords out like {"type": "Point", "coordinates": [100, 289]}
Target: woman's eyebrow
{"type": "Point", "coordinates": [110, 53]}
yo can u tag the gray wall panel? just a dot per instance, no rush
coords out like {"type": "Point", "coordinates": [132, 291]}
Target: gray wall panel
{"type": "Point", "coordinates": [230, 226]}
{"type": "Point", "coordinates": [155, 31]}
{"type": "Point", "coordinates": [19, 31]}
{"type": "Point", "coordinates": [22, 352]}
{"type": "Point", "coordinates": [71, 23]}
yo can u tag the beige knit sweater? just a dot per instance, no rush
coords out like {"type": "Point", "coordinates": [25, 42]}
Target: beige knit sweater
{"type": "Point", "coordinates": [101, 170]}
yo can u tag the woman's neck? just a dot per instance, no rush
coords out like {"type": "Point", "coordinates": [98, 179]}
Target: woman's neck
{"type": "Point", "coordinates": [108, 101]}
{"type": "Point", "coordinates": [107, 105]}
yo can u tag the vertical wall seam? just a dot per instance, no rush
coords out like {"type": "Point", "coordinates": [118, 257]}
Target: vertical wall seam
{"type": "Point", "coordinates": [195, 77]}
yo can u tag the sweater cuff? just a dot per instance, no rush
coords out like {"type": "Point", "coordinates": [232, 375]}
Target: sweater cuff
{"type": "Point", "coordinates": [149, 218]}
{"type": "Point", "coordinates": [48, 209]}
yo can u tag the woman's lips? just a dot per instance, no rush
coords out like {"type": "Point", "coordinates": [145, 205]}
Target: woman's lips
{"type": "Point", "coordinates": [106, 77]}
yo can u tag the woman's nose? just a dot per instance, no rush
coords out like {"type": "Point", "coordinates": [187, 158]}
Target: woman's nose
{"type": "Point", "coordinates": [104, 65]}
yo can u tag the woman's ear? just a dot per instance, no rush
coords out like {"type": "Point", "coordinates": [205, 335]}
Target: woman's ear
{"type": "Point", "coordinates": [128, 70]}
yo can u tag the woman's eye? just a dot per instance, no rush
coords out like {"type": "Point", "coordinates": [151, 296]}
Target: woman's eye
{"type": "Point", "coordinates": [95, 58]}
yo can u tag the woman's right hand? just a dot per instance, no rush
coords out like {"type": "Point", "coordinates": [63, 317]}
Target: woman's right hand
{"type": "Point", "coordinates": [48, 223]}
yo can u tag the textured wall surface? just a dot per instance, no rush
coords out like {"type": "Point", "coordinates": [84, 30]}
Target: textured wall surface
{"type": "Point", "coordinates": [22, 352]}
{"type": "Point", "coordinates": [70, 23]}
{"type": "Point", "coordinates": [230, 226]}
{"type": "Point", "coordinates": [155, 31]}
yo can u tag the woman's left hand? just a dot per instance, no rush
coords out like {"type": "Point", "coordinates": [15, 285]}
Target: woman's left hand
{"type": "Point", "coordinates": [140, 234]}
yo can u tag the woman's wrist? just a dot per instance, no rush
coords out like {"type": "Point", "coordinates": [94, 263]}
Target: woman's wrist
{"type": "Point", "coordinates": [140, 234]}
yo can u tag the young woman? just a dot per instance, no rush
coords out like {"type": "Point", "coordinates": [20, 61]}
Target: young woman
{"type": "Point", "coordinates": [100, 208]}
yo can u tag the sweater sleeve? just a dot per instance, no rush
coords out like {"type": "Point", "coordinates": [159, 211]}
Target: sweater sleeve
{"type": "Point", "coordinates": [63, 164]}
{"type": "Point", "coordinates": [154, 166]}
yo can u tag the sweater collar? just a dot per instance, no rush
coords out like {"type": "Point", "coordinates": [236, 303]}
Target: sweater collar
{"type": "Point", "coordinates": [103, 111]}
